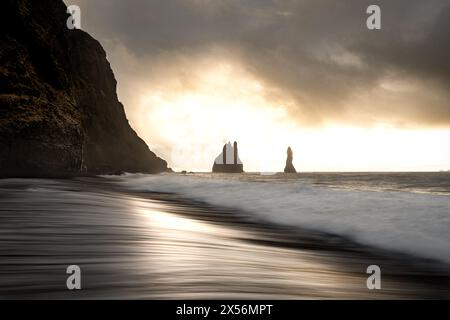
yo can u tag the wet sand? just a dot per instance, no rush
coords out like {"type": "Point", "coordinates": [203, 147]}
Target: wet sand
{"type": "Point", "coordinates": [133, 245]}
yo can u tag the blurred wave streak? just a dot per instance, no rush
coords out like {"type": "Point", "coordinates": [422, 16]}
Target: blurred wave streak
{"type": "Point", "coordinates": [137, 246]}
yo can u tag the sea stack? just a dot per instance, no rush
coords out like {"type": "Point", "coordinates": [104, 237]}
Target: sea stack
{"type": "Point", "coordinates": [228, 161]}
{"type": "Point", "coordinates": [289, 168]}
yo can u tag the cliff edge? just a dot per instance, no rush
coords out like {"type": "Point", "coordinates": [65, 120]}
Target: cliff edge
{"type": "Point", "coordinates": [59, 111]}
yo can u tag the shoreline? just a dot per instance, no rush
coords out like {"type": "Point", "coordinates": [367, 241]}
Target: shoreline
{"type": "Point", "coordinates": [352, 255]}
{"type": "Point", "coordinates": [214, 252]}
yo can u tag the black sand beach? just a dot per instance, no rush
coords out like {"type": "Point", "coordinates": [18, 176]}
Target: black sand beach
{"type": "Point", "coordinates": [133, 245]}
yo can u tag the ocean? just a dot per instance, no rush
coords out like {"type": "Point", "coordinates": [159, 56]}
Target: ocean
{"type": "Point", "coordinates": [250, 236]}
{"type": "Point", "coordinates": [406, 212]}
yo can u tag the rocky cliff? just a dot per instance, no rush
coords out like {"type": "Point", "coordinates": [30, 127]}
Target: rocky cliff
{"type": "Point", "coordinates": [59, 111]}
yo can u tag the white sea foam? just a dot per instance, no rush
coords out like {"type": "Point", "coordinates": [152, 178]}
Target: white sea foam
{"type": "Point", "coordinates": [417, 224]}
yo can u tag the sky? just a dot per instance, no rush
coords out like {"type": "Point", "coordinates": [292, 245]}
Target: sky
{"type": "Point", "coordinates": [194, 74]}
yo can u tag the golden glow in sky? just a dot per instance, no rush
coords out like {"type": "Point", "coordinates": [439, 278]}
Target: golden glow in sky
{"type": "Point", "coordinates": [187, 124]}
{"type": "Point", "coordinates": [273, 74]}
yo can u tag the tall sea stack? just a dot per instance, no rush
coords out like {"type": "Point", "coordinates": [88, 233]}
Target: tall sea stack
{"type": "Point", "coordinates": [59, 111]}
{"type": "Point", "coordinates": [228, 161]}
{"type": "Point", "coordinates": [289, 168]}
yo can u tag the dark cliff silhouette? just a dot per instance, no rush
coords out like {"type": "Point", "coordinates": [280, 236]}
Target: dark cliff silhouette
{"type": "Point", "coordinates": [289, 168]}
{"type": "Point", "coordinates": [228, 161]}
{"type": "Point", "coordinates": [59, 111]}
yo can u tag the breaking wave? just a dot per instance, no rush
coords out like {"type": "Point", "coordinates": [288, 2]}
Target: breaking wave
{"type": "Point", "coordinates": [416, 224]}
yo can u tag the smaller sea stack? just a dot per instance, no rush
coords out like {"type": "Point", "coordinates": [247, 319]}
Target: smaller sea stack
{"type": "Point", "coordinates": [289, 168]}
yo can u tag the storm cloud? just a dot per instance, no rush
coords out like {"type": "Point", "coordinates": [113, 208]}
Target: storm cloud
{"type": "Point", "coordinates": [317, 59]}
